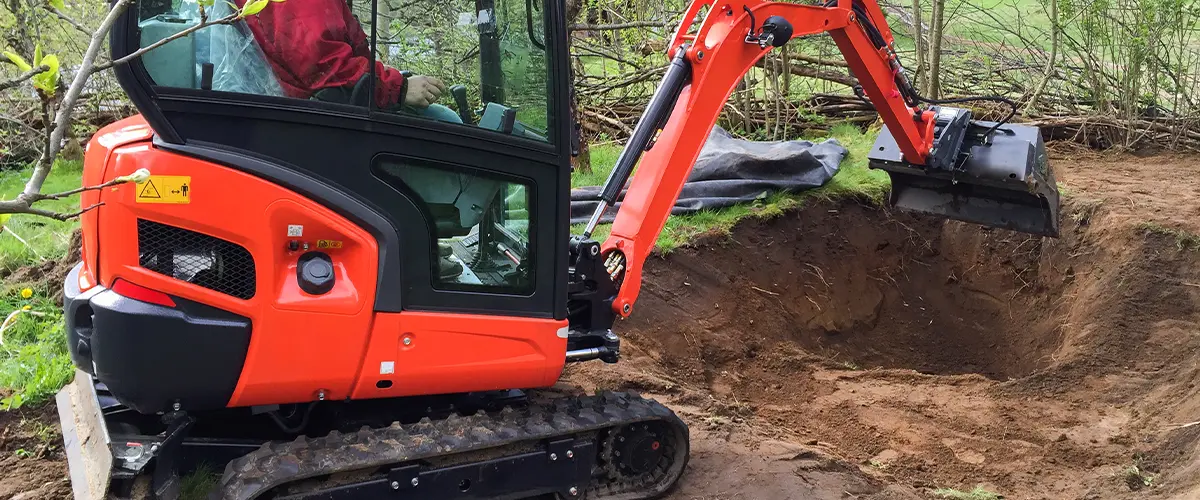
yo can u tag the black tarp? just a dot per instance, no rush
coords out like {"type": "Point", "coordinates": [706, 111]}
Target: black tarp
{"type": "Point", "coordinates": [731, 171]}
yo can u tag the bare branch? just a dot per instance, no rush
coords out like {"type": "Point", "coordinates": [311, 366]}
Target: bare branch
{"type": "Point", "coordinates": [20, 123]}
{"type": "Point", "coordinates": [192, 29]}
{"type": "Point", "coordinates": [841, 63]}
{"type": "Point", "coordinates": [620, 26]}
{"type": "Point", "coordinates": [19, 206]}
{"type": "Point", "coordinates": [5, 85]}
{"type": "Point", "coordinates": [68, 20]}
{"type": "Point", "coordinates": [611, 121]}
{"type": "Point", "coordinates": [57, 196]}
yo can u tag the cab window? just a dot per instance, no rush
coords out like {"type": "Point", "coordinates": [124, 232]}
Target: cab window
{"type": "Point", "coordinates": [319, 55]}
{"type": "Point", "coordinates": [474, 63]}
{"type": "Point", "coordinates": [479, 223]}
{"type": "Point", "coordinates": [483, 62]}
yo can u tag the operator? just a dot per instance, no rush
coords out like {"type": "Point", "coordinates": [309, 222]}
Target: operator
{"type": "Point", "coordinates": [318, 50]}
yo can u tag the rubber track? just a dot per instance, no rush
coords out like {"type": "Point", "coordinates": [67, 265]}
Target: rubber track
{"type": "Point", "coordinates": [281, 462]}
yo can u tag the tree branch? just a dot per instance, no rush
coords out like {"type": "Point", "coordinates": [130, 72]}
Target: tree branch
{"type": "Point", "coordinates": [62, 122]}
{"type": "Point", "coordinates": [58, 196]}
{"type": "Point", "coordinates": [5, 85]}
{"type": "Point", "coordinates": [18, 206]}
{"type": "Point", "coordinates": [138, 53]}
{"type": "Point", "coordinates": [841, 63]}
{"type": "Point", "coordinates": [620, 26]}
{"type": "Point", "coordinates": [812, 72]}
{"type": "Point", "coordinates": [68, 20]}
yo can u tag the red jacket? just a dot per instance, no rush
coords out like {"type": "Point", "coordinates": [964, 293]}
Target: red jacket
{"type": "Point", "coordinates": [318, 44]}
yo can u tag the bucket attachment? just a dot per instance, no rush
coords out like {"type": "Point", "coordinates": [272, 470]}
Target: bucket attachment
{"type": "Point", "coordinates": [85, 438]}
{"type": "Point", "coordinates": [1004, 182]}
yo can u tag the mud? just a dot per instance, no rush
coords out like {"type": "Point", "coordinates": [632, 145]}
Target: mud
{"type": "Point", "coordinates": [910, 355]}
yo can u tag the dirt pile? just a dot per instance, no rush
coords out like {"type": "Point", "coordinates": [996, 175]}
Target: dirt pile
{"type": "Point", "coordinates": [917, 354]}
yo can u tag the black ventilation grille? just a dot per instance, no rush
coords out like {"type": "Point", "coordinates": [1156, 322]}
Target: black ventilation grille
{"type": "Point", "coordinates": [196, 258]}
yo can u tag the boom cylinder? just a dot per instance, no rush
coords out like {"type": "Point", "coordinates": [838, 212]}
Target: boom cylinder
{"type": "Point", "coordinates": [662, 103]}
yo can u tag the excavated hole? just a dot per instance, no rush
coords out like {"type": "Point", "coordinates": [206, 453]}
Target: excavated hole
{"type": "Point", "coordinates": [863, 288]}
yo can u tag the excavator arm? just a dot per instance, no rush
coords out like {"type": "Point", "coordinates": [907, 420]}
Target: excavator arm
{"type": "Point", "coordinates": [940, 161]}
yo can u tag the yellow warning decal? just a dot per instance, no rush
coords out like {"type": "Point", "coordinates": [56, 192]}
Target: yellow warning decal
{"type": "Point", "coordinates": [176, 189]}
{"type": "Point", "coordinates": [329, 244]}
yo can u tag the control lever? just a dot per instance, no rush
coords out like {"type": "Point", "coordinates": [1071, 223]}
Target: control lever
{"type": "Point", "coordinates": [459, 92]}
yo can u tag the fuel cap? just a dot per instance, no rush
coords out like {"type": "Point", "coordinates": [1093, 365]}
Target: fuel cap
{"type": "Point", "coordinates": [314, 273]}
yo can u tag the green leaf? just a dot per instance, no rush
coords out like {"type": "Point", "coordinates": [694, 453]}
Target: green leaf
{"type": "Point", "coordinates": [18, 60]}
{"type": "Point", "coordinates": [37, 55]}
{"type": "Point", "coordinates": [4, 219]}
{"type": "Point", "coordinates": [58, 4]}
{"type": "Point", "coordinates": [207, 3]}
{"type": "Point", "coordinates": [47, 81]}
{"type": "Point", "coordinates": [50, 61]}
{"type": "Point", "coordinates": [254, 7]}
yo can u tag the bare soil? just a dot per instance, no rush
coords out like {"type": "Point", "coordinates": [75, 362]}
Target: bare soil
{"type": "Point", "coordinates": [844, 351]}
{"type": "Point", "coordinates": [847, 352]}
{"type": "Point", "coordinates": [32, 463]}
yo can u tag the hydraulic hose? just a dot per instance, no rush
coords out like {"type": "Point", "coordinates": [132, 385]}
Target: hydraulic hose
{"type": "Point", "coordinates": [662, 103]}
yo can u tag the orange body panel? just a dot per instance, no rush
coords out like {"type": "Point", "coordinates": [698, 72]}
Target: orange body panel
{"type": "Point", "coordinates": [719, 56]}
{"type": "Point", "coordinates": [436, 353]}
{"type": "Point", "coordinates": [303, 345]}
{"type": "Point", "coordinates": [96, 156]}
{"type": "Point", "coordinates": [300, 344]}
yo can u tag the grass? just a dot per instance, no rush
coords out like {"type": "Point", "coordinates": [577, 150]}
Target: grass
{"type": "Point", "coordinates": [979, 493]}
{"type": "Point", "coordinates": [34, 363]}
{"type": "Point", "coordinates": [197, 484]}
{"type": "Point", "coordinates": [853, 180]}
{"type": "Point", "coordinates": [1184, 240]}
{"type": "Point", "coordinates": [44, 239]}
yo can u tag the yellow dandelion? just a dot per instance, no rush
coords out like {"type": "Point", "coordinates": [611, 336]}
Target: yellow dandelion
{"type": "Point", "coordinates": [27, 308]}
{"type": "Point", "coordinates": [26, 293]}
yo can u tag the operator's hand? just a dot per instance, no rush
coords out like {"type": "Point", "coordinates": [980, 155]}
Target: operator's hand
{"type": "Point", "coordinates": [423, 91]}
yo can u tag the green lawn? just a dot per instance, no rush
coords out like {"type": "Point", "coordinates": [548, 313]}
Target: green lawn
{"type": "Point", "coordinates": [44, 239]}
{"type": "Point", "coordinates": [854, 179]}
{"type": "Point", "coordinates": [33, 356]}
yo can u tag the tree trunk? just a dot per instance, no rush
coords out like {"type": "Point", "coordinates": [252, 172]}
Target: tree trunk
{"type": "Point", "coordinates": [919, 39]}
{"type": "Point", "coordinates": [747, 99]}
{"type": "Point", "coordinates": [938, 25]}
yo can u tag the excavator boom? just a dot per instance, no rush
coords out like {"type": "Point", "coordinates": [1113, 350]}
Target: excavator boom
{"type": "Point", "coordinates": [940, 161]}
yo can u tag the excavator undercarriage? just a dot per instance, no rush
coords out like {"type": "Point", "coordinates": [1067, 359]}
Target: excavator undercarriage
{"type": "Point", "coordinates": [512, 444]}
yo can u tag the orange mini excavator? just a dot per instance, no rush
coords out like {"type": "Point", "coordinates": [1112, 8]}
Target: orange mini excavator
{"type": "Point", "coordinates": [332, 289]}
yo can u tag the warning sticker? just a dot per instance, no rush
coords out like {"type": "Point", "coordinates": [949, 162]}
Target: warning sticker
{"type": "Point", "coordinates": [174, 189]}
{"type": "Point", "coordinates": [329, 244]}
